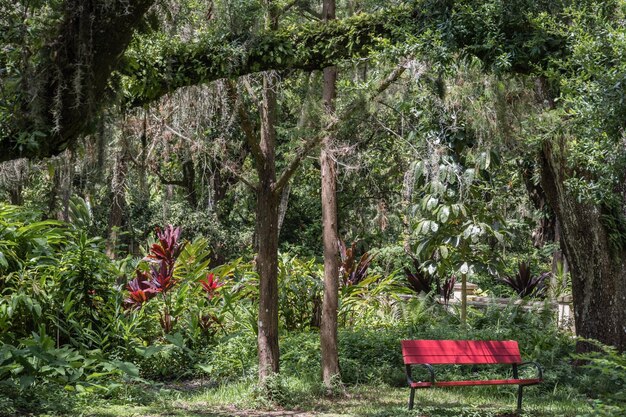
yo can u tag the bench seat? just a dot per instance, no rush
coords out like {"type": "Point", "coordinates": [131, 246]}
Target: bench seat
{"type": "Point", "coordinates": [427, 353]}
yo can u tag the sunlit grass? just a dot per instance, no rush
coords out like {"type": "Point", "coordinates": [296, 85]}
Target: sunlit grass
{"type": "Point", "coordinates": [303, 399]}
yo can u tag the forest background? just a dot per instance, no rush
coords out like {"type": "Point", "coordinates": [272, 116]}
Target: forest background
{"type": "Point", "coordinates": [437, 139]}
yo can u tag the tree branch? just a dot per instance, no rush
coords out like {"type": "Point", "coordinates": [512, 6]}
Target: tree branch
{"type": "Point", "coordinates": [240, 177]}
{"type": "Point", "coordinates": [332, 125]}
{"type": "Point", "coordinates": [59, 107]}
{"type": "Point", "coordinates": [150, 75]}
{"type": "Point", "coordinates": [252, 138]}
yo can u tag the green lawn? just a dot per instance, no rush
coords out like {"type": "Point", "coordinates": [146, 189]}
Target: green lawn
{"type": "Point", "coordinates": [362, 401]}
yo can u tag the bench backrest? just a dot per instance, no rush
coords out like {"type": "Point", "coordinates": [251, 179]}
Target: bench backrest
{"type": "Point", "coordinates": [460, 352]}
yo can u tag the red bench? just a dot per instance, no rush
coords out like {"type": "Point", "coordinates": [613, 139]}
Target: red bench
{"type": "Point", "coordinates": [465, 352]}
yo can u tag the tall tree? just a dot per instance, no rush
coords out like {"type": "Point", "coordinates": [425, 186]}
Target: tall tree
{"type": "Point", "coordinates": [330, 237]}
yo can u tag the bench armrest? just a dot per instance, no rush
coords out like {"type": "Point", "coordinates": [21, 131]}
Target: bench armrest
{"type": "Point", "coordinates": [431, 372]}
{"type": "Point", "coordinates": [536, 365]}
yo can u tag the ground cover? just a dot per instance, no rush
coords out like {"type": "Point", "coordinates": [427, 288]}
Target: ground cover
{"type": "Point", "coordinates": [363, 400]}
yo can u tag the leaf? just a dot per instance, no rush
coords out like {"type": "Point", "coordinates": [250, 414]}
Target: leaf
{"type": "Point", "coordinates": [176, 339]}
{"type": "Point", "coordinates": [205, 368]}
{"type": "Point", "coordinates": [443, 250]}
{"type": "Point", "coordinates": [26, 381]}
{"type": "Point", "coordinates": [126, 367]}
{"type": "Point", "coordinates": [444, 214]}
{"type": "Point", "coordinates": [149, 351]}
{"type": "Point", "coordinates": [432, 203]}
{"type": "Point", "coordinates": [421, 247]}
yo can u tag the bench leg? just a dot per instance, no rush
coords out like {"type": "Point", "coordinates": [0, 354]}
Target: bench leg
{"type": "Point", "coordinates": [519, 398]}
{"type": "Point", "coordinates": [411, 398]}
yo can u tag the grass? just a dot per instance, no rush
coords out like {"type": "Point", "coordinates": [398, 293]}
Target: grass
{"type": "Point", "coordinates": [304, 400]}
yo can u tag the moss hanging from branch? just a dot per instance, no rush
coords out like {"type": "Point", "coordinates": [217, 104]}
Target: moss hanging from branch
{"type": "Point", "coordinates": [506, 36]}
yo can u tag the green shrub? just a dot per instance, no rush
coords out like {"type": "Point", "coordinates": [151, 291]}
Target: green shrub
{"type": "Point", "coordinates": [606, 380]}
{"type": "Point", "coordinates": [234, 357]}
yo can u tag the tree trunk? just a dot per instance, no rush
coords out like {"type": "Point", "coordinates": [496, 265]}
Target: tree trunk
{"type": "Point", "coordinates": [328, 325]}
{"type": "Point", "coordinates": [189, 181]}
{"type": "Point", "coordinates": [598, 270]}
{"type": "Point", "coordinates": [118, 200]}
{"type": "Point", "coordinates": [268, 200]}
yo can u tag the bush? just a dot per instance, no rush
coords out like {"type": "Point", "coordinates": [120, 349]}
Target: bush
{"type": "Point", "coordinates": [606, 379]}
{"type": "Point", "coordinates": [371, 356]}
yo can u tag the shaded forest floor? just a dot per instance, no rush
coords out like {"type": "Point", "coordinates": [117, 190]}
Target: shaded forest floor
{"type": "Point", "coordinates": [366, 401]}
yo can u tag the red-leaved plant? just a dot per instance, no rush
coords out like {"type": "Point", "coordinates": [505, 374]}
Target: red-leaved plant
{"type": "Point", "coordinates": [163, 255]}
{"type": "Point", "coordinates": [210, 284]}
{"type": "Point", "coordinates": [524, 284]}
{"type": "Point", "coordinates": [447, 289]}
{"type": "Point", "coordinates": [419, 281]}
{"type": "Point", "coordinates": [168, 248]}
{"type": "Point", "coordinates": [140, 290]}
{"type": "Point", "coordinates": [350, 271]}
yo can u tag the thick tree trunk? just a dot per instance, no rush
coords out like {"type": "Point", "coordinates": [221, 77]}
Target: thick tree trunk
{"type": "Point", "coordinates": [328, 325]}
{"type": "Point", "coordinates": [598, 271]}
{"type": "Point", "coordinates": [268, 200]}
{"type": "Point", "coordinates": [267, 268]}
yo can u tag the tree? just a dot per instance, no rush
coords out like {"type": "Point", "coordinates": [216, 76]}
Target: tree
{"type": "Point", "coordinates": [330, 237]}
{"type": "Point", "coordinates": [582, 159]}
{"type": "Point", "coordinates": [44, 114]}
{"type": "Point", "coordinates": [55, 79]}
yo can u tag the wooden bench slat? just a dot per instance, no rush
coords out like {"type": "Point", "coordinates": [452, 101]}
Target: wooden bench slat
{"type": "Point", "coordinates": [455, 348]}
{"type": "Point", "coordinates": [460, 351]}
{"type": "Point", "coordinates": [461, 360]}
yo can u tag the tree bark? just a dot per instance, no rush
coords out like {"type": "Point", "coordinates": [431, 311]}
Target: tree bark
{"type": "Point", "coordinates": [328, 325]}
{"type": "Point", "coordinates": [268, 200]}
{"type": "Point", "coordinates": [598, 270]}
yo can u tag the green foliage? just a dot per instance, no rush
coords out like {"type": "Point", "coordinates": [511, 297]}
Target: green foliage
{"type": "Point", "coordinates": [37, 374]}
{"type": "Point", "coordinates": [300, 292]}
{"type": "Point", "coordinates": [589, 78]}
{"type": "Point", "coordinates": [608, 373]}
{"type": "Point", "coordinates": [24, 239]}
{"type": "Point", "coordinates": [375, 301]}
{"type": "Point", "coordinates": [456, 232]}
{"type": "Point", "coordinates": [59, 279]}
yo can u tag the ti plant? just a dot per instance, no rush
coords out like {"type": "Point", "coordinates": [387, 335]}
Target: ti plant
{"type": "Point", "coordinates": [140, 290]}
{"type": "Point", "coordinates": [210, 284]}
{"type": "Point", "coordinates": [168, 247]}
{"type": "Point", "coordinates": [524, 284]}
{"type": "Point", "coordinates": [419, 281]}
{"type": "Point", "coordinates": [350, 271]}
{"type": "Point", "coordinates": [447, 289]}
{"type": "Point", "coordinates": [160, 279]}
